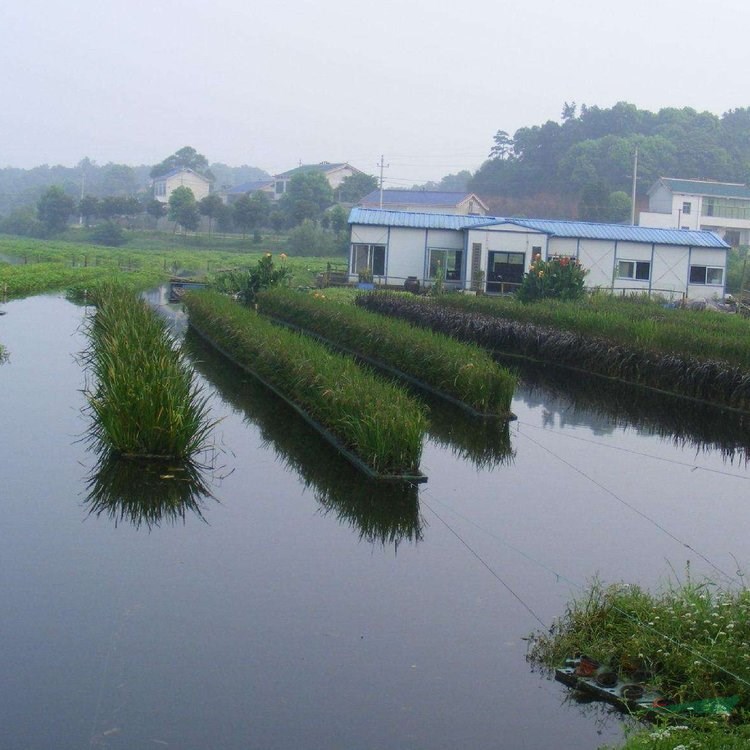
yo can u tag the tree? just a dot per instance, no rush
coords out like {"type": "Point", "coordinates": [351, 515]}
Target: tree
{"type": "Point", "coordinates": [54, 209]}
{"type": "Point", "coordinates": [308, 194]}
{"type": "Point", "coordinates": [251, 211]}
{"type": "Point", "coordinates": [339, 219]}
{"type": "Point", "coordinates": [619, 207]}
{"type": "Point", "coordinates": [186, 158]}
{"type": "Point", "coordinates": [503, 147]}
{"type": "Point", "coordinates": [356, 186]}
{"type": "Point", "coordinates": [210, 207]}
{"type": "Point", "coordinates": [183, 209]}
{"type": "Point", "coordinates": [157, 209]}
{"type": "Point", "coordinates": [88, 206]}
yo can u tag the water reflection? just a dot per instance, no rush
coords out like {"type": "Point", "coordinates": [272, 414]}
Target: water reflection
{"type": "Point", "coordinates": [578, 399]}
{"type": "Point", "coordinates": [381, 512]}
{"type": "Point", "coordinates": [145, 492]}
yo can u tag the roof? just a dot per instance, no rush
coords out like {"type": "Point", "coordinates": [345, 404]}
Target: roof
{"type": "Point", "coordinates": [415, 220]}
{"type": "Point", "coordinates": [704, 187]}
{"type": "Point", "coordinates": [324, 167]}
{"type": "Point", "coordinates": [551, 227]}
{"type": "Point", "coordinates": [420, 197]}
{"type": "Point", "coordinates": [249, 187]}
{"type": "Point", "coordinates": [178, 170]}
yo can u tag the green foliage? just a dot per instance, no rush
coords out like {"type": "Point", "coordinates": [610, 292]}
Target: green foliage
{"type": "Point", "coordinates": [356, 186]}
{"type": "Point", "coordinates": [186, 158]}
{"type": "Point", "coordinates": [54, 209]}
{"type": "Point", "coordinates": [23, 222]}
{"type": "Point", "coordinates": [247, 284]}
{"type": "Point", "coordinates": [109, 233]}
{"type": "Point", "coordinates": [88, 208]}
{"type": "Point", "coordinates": [557, 278]}
{"type": "Point", "coordinates": [183, 208]}
{"type": "Point", "coordinates": [463, 371]}
{"type": "Point", "coordinates": [307, 195]}
{"type": "Point", "coordinates": [210, 206]}
{"type": "Point", "coordinates": [251, 211]}
{"type": "Point", "coordinates": [308, 240]}
{"type": "Point", "coordinates": [143, 401]}
{"type": "Point", "coordinates": [372, 418]}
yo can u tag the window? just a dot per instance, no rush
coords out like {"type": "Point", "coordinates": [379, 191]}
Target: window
{"type": "Point", "coordinates": [160, 188]}
{"type": "Point", "coordinates": [279, 187]}
{"type": "Point", "coordinates": [686, 206]}
{"type": "Point", "coordinates": [450, 261]}
{"type": "Point", "coordinates": [370, 257]}
{"type": "Point", "coordinates": [706, 275]}
{"type": "Point", "coordinates": [634, 269]}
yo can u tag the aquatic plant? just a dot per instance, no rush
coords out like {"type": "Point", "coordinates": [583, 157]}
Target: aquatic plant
{"type": "Point", "coordinates": [376, 420]}
{"type": "Point", "coordinates": [463, 371]}
{"type": "Point", "coordinates": [697, 377]}
{"type": "Point", "coordinates": [143, 399]}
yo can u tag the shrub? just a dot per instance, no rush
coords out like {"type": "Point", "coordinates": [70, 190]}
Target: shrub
{"type": "Point", "coordinates": [109, 233]}
{"type": "Point", "coordinates": [557, 278]}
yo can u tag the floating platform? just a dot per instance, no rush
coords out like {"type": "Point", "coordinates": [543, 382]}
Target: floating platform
{"type": "Point", "coordinates": [178, 287]}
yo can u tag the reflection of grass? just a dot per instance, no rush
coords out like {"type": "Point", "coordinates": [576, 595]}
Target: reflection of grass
{"type": "Point", "coordinates": [145, 492]}
{"type": "Point", "coordinates": [144, 401]}
{"type": "Point", "coordinates": [381, 513]}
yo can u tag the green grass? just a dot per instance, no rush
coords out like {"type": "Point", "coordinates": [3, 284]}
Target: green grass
{"type": "Point", "coordinates": [463, 371]}
{"type": "Point", "coordinates": [143, 400]}
{"type": "Point", "coordinates": [373, 418]}
{"type": "Point", "coordinates": [715, 735]}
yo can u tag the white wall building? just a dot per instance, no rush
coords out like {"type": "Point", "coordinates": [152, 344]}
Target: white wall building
{"type": "Point", "coordinates": [334, 173]}
{"type": "Point", "coordinates": [165, 185]}
{"type": "Point", "coordinates": [396, 245]}
{"type": "Point", "coordinates": [721, 207]}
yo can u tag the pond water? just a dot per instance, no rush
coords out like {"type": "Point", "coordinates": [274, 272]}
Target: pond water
{"type": "Point", "coordinates": [298, 606]}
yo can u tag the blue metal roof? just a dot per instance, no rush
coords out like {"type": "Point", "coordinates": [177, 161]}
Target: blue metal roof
{"type": "Point", "coordinates": [250, 187]}
{"type": "Point", "coordinates": [705, 187]}
{"type": "Point", "coordinates": [551, 227]}
{"type": "Point", "coordinates": [414, 219]}
{"type": "Point", "coordinates": [417, 197]}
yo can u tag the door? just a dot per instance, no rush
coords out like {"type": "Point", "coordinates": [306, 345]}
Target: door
{"type": "Point", "coordinates": [504, 271]}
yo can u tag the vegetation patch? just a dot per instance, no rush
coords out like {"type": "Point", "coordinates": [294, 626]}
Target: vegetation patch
{"type": "Point", "coordinates": [714, 381]}
{"type": "Point", "coordinates": [143, 399]}
{"type": "Point", "coordinates": [374, 419]}
{"type": "Point", "coordinates": [463, 371]}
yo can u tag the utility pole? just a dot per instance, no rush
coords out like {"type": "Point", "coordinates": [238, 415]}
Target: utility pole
{"type": "Point", "coordinates": [635, 177]}
{"type": "Point", "coordinates": [382, 166]}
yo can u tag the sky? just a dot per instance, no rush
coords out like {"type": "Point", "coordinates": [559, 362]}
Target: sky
{"type": "Point", "coordinates": [277, 83]}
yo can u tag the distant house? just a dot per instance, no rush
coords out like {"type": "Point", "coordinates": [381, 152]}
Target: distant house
{"type": "Point", "coordinates": [428, 201]}
{"type": "Point", "coordinates": [246, 188]}
{"type": "Point", "coordinates": [165, 185]}
{"type": "Point", "coordinates": [494, 253]}
{"type": "Point", "coordinates": [334, 173]}
{"type": "Point", "coordinates": [721, 207]}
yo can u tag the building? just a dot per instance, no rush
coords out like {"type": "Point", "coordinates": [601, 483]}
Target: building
{"type": "Point", "coordinates": [165, 185]}
{"type": "Point", "coordinates": [494, 253]}
{"type": "Point", "coordinates": [721, 207]}
{"type": "Point", "coordinates": [334, 173]}
{"type": "Point", "coordinates": [426, 201]}
{"type": "Point", "coordinates": [246, 188]}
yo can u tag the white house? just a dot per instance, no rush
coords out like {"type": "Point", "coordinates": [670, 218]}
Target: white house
{"type": "Point", "coordinates": [721, 207]}
{"type": "Point", "coordinates": [165, 185]}
{"type": "Point", "coordinates": [426, 201]}
{"type": "Point", "coordinates": [334, 173]}
{"type": "Point", "coordinates": [497, 252]}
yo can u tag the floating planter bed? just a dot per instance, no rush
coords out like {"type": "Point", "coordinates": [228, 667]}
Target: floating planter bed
{"type": "Point", "coordinates": [631, 693]}
{"type": "Point", "coordinates": [461, 373]}
{"type": "Point", "coordinates": [375, 424]}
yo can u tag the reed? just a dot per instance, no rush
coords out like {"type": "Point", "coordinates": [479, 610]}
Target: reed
{"type": "Point", "coordinates": [714, 381]}
{"type": "Point", "coordinates": [144, 400]}
{"type": "Point", "coordinates": [375, 419]}
{"type": "Point", "coordinates": [463, 371]}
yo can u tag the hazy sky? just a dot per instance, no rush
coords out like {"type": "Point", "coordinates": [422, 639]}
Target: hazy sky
{"type": "Point", "coordinates": [277, 82]}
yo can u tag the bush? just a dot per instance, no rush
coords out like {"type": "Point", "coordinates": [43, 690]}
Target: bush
{"type": "Point", "coordinates": [109, 233]}
{"type": "Point", "coordinates": [310, 240]}
{"type": "Point", "coordinates": [556, 278]}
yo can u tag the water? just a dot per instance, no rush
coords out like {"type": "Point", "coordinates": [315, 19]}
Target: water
{"type": "Point", "coordinates": [286, 609]}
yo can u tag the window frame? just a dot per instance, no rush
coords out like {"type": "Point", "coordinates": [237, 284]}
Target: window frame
{"type": "Point", "coordinates": [455, 273]}
{"type": "Point", "coordinates": [374, 256]}
{"type": "Point", "coordinates": [634, 274]}
{"type": "Point", "coordinates": [706, 272]}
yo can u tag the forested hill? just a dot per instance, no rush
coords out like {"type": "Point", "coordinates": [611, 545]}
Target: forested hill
{"type": "Point", "coordinates": [576, 165]}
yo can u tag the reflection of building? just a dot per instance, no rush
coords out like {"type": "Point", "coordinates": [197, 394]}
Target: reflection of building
{"type": "Point", "coordinates": [426, 201]}
{"type": "Point", "coordinates": [165, 185]}
{"type": "Point", "coordinates": [494, 253]}
{"type": "Point", "coordinates": [721, 207]}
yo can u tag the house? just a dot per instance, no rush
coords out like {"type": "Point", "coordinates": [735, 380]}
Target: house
{"type": "Point", "coordinates": [334, 173]}
{"type": "Point", "coordinates": [494, 253]}
{"type": "Point", "coordinates": [426, 201]}
{"type": "Point", "coordinates": [232, 194]}
{"type": "Point", "coordinates": [721, 207]}
{"type": "Point", "coordinates": [165, 185]}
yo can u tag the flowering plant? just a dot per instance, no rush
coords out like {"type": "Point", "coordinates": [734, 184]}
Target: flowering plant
{"type": "Point", "coordinates": [560, 277]}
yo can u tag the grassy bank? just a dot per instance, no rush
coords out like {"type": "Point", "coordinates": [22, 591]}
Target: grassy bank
{"type": "Point", "coordinates": [374, 419]}
{"type": "Point", "coordinates": [714, 381]}
{"type": "Point", "coordinates": [463, 371]}
{"type": "Point", "coordinates": [143, 400]}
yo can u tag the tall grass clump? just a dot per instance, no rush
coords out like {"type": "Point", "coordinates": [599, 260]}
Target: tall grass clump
{"type": "Point", "coordinates": [691, 641]}
{"type": "Point", "coordinates": [374, 419]}
{"type": "Point", "coordinates": [464, 371]}
{"type": "Point", "coordinates": [144, 400]}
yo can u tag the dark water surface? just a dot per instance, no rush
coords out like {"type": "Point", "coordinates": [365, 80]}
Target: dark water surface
{"type": "Point", "coordinates": [301, 607]}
